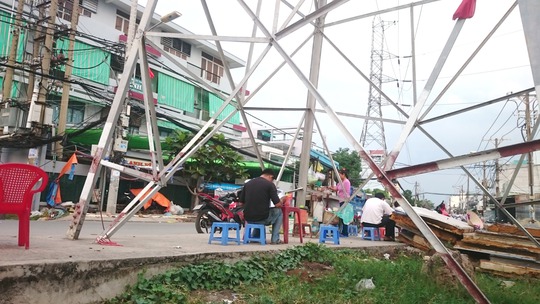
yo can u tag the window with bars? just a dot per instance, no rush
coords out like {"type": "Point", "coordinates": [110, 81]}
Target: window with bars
{"type": "Point", "coordinates": [122, 21]}
{"type": "Point", "coordinates": [65, 8]}
{"type": "Point", "coordinates": [122, 24]}
{"type": "Point", "coordinates": [75, 111]}
{"type": "Point", "coordinates": [177, 47]}
{"type": "Point", "coordinates": [211, 68]}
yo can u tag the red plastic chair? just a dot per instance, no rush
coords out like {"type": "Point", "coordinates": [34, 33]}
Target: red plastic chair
{"type": "Point", "coordinates": [17, 189]}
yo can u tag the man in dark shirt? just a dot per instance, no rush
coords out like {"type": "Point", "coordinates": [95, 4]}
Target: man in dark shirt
{"type": "Point", "coordinates": [256, 197]}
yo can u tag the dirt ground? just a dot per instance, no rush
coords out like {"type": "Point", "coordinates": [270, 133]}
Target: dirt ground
{"type": "Point", "coordinates": [310, 271]}
{"type": "Point", "coordinates": [307, 272]}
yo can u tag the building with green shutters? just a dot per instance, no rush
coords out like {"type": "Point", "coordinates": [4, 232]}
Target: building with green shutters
{"type": "Point", "coordinates": [98, 62]}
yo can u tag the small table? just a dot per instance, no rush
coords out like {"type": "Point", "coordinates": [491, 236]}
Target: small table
{"type": "Point", "coordinates": [286, 210]}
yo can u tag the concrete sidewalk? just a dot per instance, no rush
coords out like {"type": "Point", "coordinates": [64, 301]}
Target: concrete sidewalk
{"type": "Point", "coordinates": [142, 236]}
{"type": "Point", "coordinates": [80, 271]}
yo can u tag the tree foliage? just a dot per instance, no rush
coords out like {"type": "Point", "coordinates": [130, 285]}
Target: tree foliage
{"type": "Point", "coordinates": [350, 161]}
{"type": "Point", "coordinates": [425, 203]}
{"type": "Point", "coordinates": [214, 161]}
{"type": "Point", "coordinates": [408, 195]}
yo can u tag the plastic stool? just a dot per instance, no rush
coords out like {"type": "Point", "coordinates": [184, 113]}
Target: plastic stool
{"type": "Point", "coordinates": [306, 229]}
{"type": "Point", "coordinates": [248, 231]}
{"type": "Point", "coordinates": [382, 232]}
{"type": "Point", "coordinates": [371, 233]}
{"type": "Point", "coordinates": [325, 231]}
{"type": "Point", "coordinates": [353, 230]}
{"type": "Point", "coordinates": [286, 211]}
{"type": "Point", "coordinates": [224, 237]}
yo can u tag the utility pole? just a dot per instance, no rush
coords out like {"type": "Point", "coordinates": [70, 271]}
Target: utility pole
{"type": "Point", "coordinates": [35, 50]}
{"type": "Point", "coordinates": [8, 78]}
{"type": "Point", "coordinates": [66, 86]}
{"type": "Point", "coordinates": [530, 160]}
{"type": "Point", "coordinates": [132, 25]}
{"type": "Point", "coordinates": [467, 195]}
{"type": "Point", "coordinates": [114, 182]}
{"type": "Point", "coordinates": [497, 170]}
{"type": "Point", "coordinates": [416, 195]}
{"type": "Point", "coordinates": [484, 183]}
{"type": "Point", "coordinates": [46, 62]}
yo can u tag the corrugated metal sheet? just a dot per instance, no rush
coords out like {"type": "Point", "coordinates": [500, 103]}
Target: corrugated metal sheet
{"type": "Point", "coordinates": [167, 124]}
{"type": "Point", "coordinates": [89, 62]}
{"type": "Point", "coordinates": [175, 93]}
{"type": "Point", "coordinates": [216, 102]}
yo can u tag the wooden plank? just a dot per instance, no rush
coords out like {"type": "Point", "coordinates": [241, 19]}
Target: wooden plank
{"type": "Point", "coordinates": [501, 241]}
{"type": "Point", "coordinates": [450, 225]}
{"type": "Point", "coordinates": [511, 229]}
{"type": "Point", "coordinates": [531, 264]}
{"type": "Point", "coordinates": [407, 237]}
{"type": "Point", "coordinates": [509, 268]}
{"type": "Point", "coordinates": [523, 255]}
{"type": "Point", "coordinates": [404, 221]}
{"type": "Point", "coordinates": [433, 216]}
{"type": "Point", "coordinates": [422, 241]}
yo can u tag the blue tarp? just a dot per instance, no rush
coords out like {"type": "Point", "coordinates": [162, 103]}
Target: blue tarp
{"type": "Point", "coordinates": [325, 160]}
{"type": "Point", "coordinates": [223, 186]}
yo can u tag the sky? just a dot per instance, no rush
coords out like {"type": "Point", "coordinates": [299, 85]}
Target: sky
{"type": "Point", "coordinates": [500, 67]}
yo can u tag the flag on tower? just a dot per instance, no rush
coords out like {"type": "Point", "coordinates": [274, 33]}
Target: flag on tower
{"type": "Point", "coordinates": [465, 10]}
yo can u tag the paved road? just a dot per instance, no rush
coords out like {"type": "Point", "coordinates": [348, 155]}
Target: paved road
{"type": "Point", "coordinates": [153, 236]}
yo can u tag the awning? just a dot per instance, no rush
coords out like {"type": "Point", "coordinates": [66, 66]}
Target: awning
{"type": "Point", "coordinates": [323, 159]}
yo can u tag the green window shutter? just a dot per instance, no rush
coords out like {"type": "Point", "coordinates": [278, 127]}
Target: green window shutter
{"type": "Point", "coordinates": [6, 36]}
{"type": "Point", "coordinates": [89, 62]}
{"type": "Point", "coordinates": [175, 93]}
{"type": "Point", "coordinates": [14, 87]}
{"type": "Point", "coordinates": [167, 124]}
{"type": "Point", "coordinates": [215, 103]}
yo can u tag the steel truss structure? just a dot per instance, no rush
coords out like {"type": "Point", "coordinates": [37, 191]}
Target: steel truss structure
{"type": "Point", "coordinates": [161, 173]}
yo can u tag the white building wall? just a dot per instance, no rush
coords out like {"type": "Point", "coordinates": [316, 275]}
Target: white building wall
{"type": "Point", "coordinates": [521, 183]}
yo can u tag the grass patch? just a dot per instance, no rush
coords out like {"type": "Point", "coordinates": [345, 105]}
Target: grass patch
{"type": "Point", "coordinates": [316, 274]}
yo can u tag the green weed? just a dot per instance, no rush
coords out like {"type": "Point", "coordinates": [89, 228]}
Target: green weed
{"type": "Point", "coordinates": [291, 277]}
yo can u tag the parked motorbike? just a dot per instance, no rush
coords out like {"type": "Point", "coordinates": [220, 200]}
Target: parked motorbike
{"type": "Point", "coordinates": [222, 209]}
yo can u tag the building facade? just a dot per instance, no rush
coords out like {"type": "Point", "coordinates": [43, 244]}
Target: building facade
{"type": "Point", "coordinates": [98, 61]}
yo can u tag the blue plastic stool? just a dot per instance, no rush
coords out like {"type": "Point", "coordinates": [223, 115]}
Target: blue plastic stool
{"type": "Point", "coordinates": [353, 230]}
{"type": "Point", "coordinates": [371, 233]}
{"type": "Point", "coordinates": [224, 237]}
{"type": "Point", "coordinates": [325, 234]}
{"type": "Point", "coordinates": [248, 232]}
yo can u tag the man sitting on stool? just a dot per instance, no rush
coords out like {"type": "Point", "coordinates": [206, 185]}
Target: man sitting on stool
{"type": "Point", "coordinates": [376, 213]}
{"type": "Point", "coordinates": [255, 196]}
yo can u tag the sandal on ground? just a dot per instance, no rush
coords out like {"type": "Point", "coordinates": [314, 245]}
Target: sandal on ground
{"type": "Point", "coordinates": [277, 242]}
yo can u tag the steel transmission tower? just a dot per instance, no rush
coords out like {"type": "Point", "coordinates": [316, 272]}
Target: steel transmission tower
{"type": "Point", "coordinates": [372, 137]}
